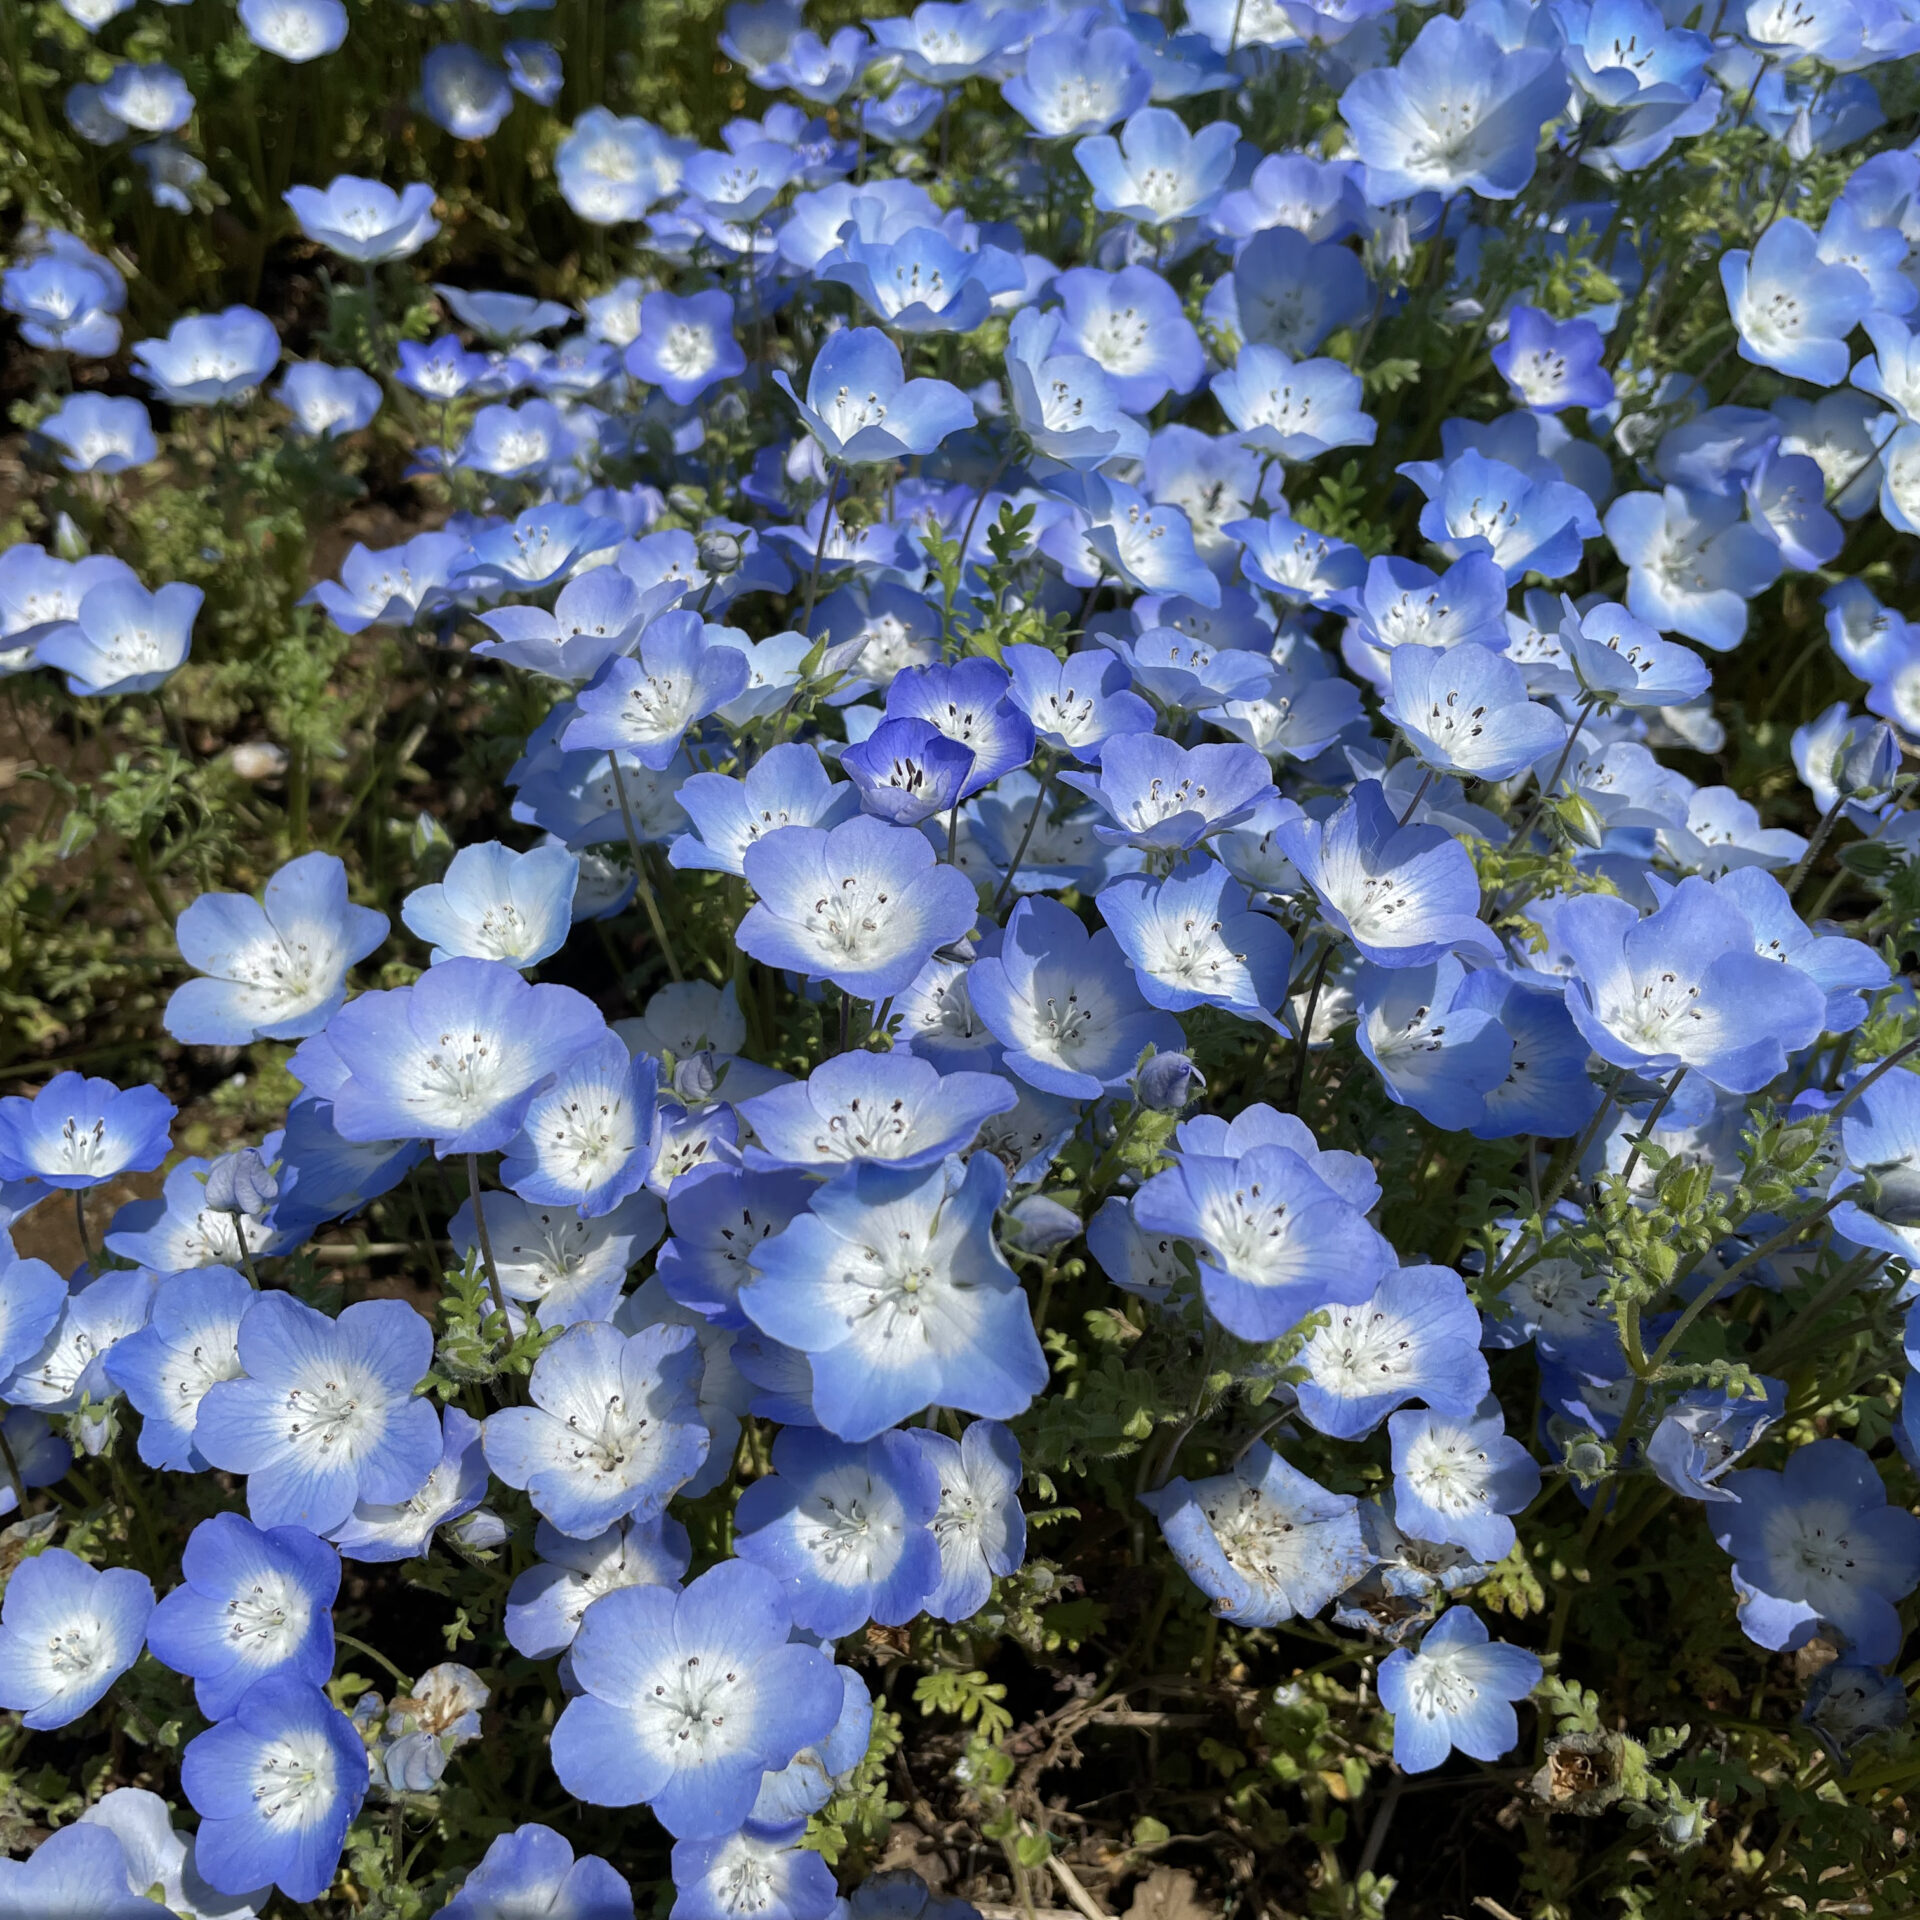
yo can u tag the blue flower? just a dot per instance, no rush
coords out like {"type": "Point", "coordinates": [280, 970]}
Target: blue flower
{"type": "Point", "coordinates": [969, 703]}
{"type": "Point", "coordinates": [71, 1363]}
{"type": "Point", "coordinates": [147, 96]}
{"type": "Point", "coordinates": [1623, 54]}
{"type": "Point", "coordinates": [1457, 1479]}
{"type": "Point", "coordinates": [587, 1136]}
{"type": "Point", "coordinates": [685, 346]}
{"type": "Point", "coordinates": [612, 170]}
{"type": "Point", "coordinates": [1263, 1542]}
{"type": "Point", "coordinates": [101, 434]}
{"type": "Point", "coordinates": [979, 1528]}
{"type": "Point", "coordinates": [68, 1631]}
{"type": "Point", "coordinates": [759, 1869]}
{"type": "Point", "coordinates": [1480, 505]}
{"type": "Point", "coordinates": [1416, 1337]}
{"type": "Point", "coordinates": [1157, 171]}
{"type": "Point", "coordinates": [462, 91]}
{"type": "Point", "coordinates": [1464, 710]}
{"type": "Point", "coordinates": [1818, 1547]}
{"type": "Point", "coordinates": [32, 1298]}
{"type": "Point", "coordinates": [846, 1530]}
{"type": "Point", "coordinates": [515, 443]}
{"type": "Point", "coordinates": [365, 220]}
{"type": "Point", "coordinates": [1065, 1004]}
{"type": "Point", "coordinates": [76, 1133]}
{"type": "Point", "coordinates": [1618, 662]}
{"type": "Point", "coordinates": [613, 1429]}
{"type": "Point", "coordinates": [396, 586]}
{"type": "Point", "coordinates": [80, 1870]}
{"type": "Point", "coordinates": [860, 406]}
{"type": "Point", "coordinates": [1079, 79]}
{"type": "Point", "coordinates": [1403, 895]}
{"type": "Point", "coordinates": [495, 904]}
{"type": "Point", "coordinates": [1792, 309]}
{"type": "Point", "coordinates": [1842, 969]}
{"type": "Point", "coordinates": [1193, 942]}
{"type": "Point", "coordinates": [923, 282]}
{"type": "Point", "coordinates": [1436, 1052]}
{"type": "Point", "coordinates": [1684, 988]}
{"type": "Point", "coordinates": [533, 70]}
{"type": "Point", "coordinates": [404, 1529]}
{"type": "Point", "coordinates": [1160, 795]}
{"type": "Point", "coordinates": [690, 1698]}
{"type": "Point", "coordinates": [546, 1604]}
{"type": "Point", "coordinates": [325, 1412]}
{"type": "Point", "coordinates": [532, 1870]}
{"type": "Point", "coordinates": [820, 71]}
{"type": "Point", "coordinates": [1692, 561]}
{"type": "Point", "coordinates": [881, 1108]}
{"type": "Point", "coordinates": [1455, 1692]}
{"type": "Point", "coordinates": [123, 639]}
{"type": "Point", "coordinates": [276, 968]}
{"type": "Point", "coordinates": [328, 402]}
{"type": "Point", "coordinates": [908, 771]}
{"type": "Point", "coordinates": [892, 1286]}
{"type": "Point", "coordinates": [862, 904]}
{"type": "Point", "coordinates": [1132, 324]}
{"type": "Point", "coordinates": [456, 1058]}
{"type": "Point", "coordinates": [1186, 675]}
{"type": "Point", "coordinates": [294, 30]}
{"type": "Point", "coordinates": [1065, 403]}
{"type": "Point", "coordinates": [1547, 1090]}
{"type": "Point", "coordinates": [1295, 411]}
{"type": "Point", "coordinates": [1550, 365]}
{"type": "Point", "coordinates": [597, 616]}
{"type": "Point", "coordinates": [1703, 1433]}
{"type": "Point", "coordinates": [276, 1787]}
{"type": "Point", "coordinates": [190, 1340]}
{"type": "Point", "coordinates": [209, 358]}
{"type": "Point", "coordinates": [1275, 1240]}
{"type": "Point", "coordinates": [718, 1223]}
{"type": "Point", "coordinates": [945, 44]}
{"type": "Point", "coordinates": [252, 1604]}
{"type": "Point", "coordinates": [1304, 567]}
{"type": "Point", "coordinates": [66, 299]}
{"type": "Point", "coordinates": [1458, 112]}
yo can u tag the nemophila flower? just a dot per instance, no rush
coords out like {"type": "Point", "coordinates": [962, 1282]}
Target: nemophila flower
{"type": "Point", "coordinates": [1193, 942]}
{"type": "Point", "coordinates": [923, 281]}
{"type": "Point", "coordinates": [587, 1138]}
{"type": "Point", "coordinates": [1434, 1052]}
{"type": "Point", "coordinates": [1158, 171]}
{"type": "Point", "coordinates": [1550, 364]}
{"type": "Point", "coordinates": [1064, 1003]}
{"type": "Point", "coordinates": [147, 96]}
{"type": "Point", "coordinates": [251, 1605]}
{"type": "Point", "coordinates": [979, 1527]}
{"type": "Point", "coordinates": [324, 1413]}
{"type": "Point", "coordinates": [1458, 113]}
{"type": "Point", "coordinates": [1455, 1692]}
{"type": "Point", "coordinates": [545, 1605]}
{"type": "Point", "coordinates": [1160, 795]}
{"type": "Point", "coordinates": [70, 1364]}
{"type": "Point", "coordinates": [718, 1223]}
{"type": "Point", "coordinates": [944, 44]}
{"type": "Point", "coordinates": [1308, 569]}
{"type": "Point", "coordinates": [846, 1530]}
{"type": "Point", "coordinates": [1404, 895]}
{"type": "Point", "coordinates": [190, 1340]}
{"type": "Point", "coordinates": [787, 786]}
{"type": "Point", "coordinates": [890, 1283]}
{"type": "Point", "coordinates": [1480, 505]}
{"type": "Point", "coordinates": [1064, 402]}
{"type": "Point", "coordinates": [276, 967]}
{"type": "Point", "coordinates": [1131, 324]}
{"type": "Point", "coordinates": [495, 904]}
{"type": "Point", "coordinates": [739, 184]}
{"type": "Point", "coordinates": [1458, 1479]}
{"type": "Point", "coordinates": [462, 91]}
{"type": "Point", "coordinates": [565, 1267]}
{"type": "Point", "coordinates": [1843, 970]}
{"type": "Point", "coordinates": [534, 70]}
{"type": "Point", "coordinates": [1147, 547]}
{"type": "Point", "coordinates": [688, 1142]}
{"type": "Point", "coordinates": [907, 771]}
{"type": "Point", "coordinates": [1705, 1431]}
{"type": "Point", "coordinates": [1547, 1090]}
{"type": "Point", "coordinates": [1297, 410]}
{"type": "Point", "coordinates": [817, 70]}
{"type": "Point", "coordinates": [1079, 81]}
{"type": "Point", "coordinates": [968, 702]}
{"type": "Point", "coordinates": [77, 1132]}
{"type": "Point", "coordinates": [1792, 309]}
{"type": "Point", "coordinates": [328, 402]}
{"type": "Point", "coordinates": [365, 220]}
{"type": "Point", "coordinates": [759, 1869]}
{"type": "Point", "coordinates": [532, 1871]}
{"type": "Point", "coordinates": [860, 406]}
{"type": "Point", "coordinates": [596, 616]}
{"type": "Point", "coordinates": [456, 1058]}
{"type": "Point", "coordinates": [1817, 1548]}
{"type": "Point", "coordinates": [276, 1787]}
{"type": "Point", "coordinates": [68, 1631]}
{"type": "Point", "coordinates": [514, 443]}
{"type": "Point", "coordinates": [904, 117]}
{"type": "Point", "coordinates": [404, 1529]}
{"type": "Point", "coordinates": [690, 1698]}
{"type": "Point", "coordinates": [1891, 371]}
{"type": "Point", "coordinates": [1683, 988]}
{"type": "Point", "coordinates": [101, 434]}
{"type": "Point", "coordinates": [76, 1873]}
{"type": "Point", "coordinates": [1263, 1542]}
{"type": "Point", "coordinates": [645, 705]}
{"type": "Point", "coordinates": [158, 1860]}
{"type": "Point", "coordinates": [1616, 661]}
{"type": "Point", "coordinates": [208, 359]}
{"type": "Point", "coordinates": [1416, 1337]}
{"type": "Point", "coordinates": [613, 169]}
{"type": "Point", "coordinates": [685, 346]}
{"type": "Point", "coordinates": [1402, 603]}
{"type": "Point", "coordinates": [64, 304]}
{"type": "Point", "coordinates": [1786, 496]}
{"type": "Point", "coordinates": [32, 1298]}
{"type": "Point", "coordinates": [123, 639]}
{"type": "Point", "coordinates": [503, 319]}
{"type": "Point", "coordinates": [1275, 1240]}
{"type": "Point", "coordinates": [1623, 54]}
{"type": "Point", "coordinates": [1465, 710]}
{"type": "Point", "coordinates": [392, 587]}
{"type": "Point", "coordinates": [613, 1430]}
{"type": "Point", "coordinates": [861, 904]}
{"type": "Point", "coordinates": [294, 30]}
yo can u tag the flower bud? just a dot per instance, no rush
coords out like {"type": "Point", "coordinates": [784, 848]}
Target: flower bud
{"type": "Point", "coordinates": [1868, 765]}
{"type": "Point", "coordinates": [719, 551]}
{"type": "Point", "coordinates": [240, 1183]}
{"type": "Point", "coordinates": [1038, 1225]}
{"type": "Point", "coordinates": [696, 1078]}
{"type": "Point", "coordinates": [1167, 1082]}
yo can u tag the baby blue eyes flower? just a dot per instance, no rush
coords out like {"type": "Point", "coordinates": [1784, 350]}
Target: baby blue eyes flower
{"type": "Point", "coordinates": [328, 402]}
{"type": "Point", "coordinates": [191, 1339]}
{"type": "Point", "coordinates": [613, 1429]}
{"type": "Point", "coordinates": [1818, 1547]}
{"type": "Point", "coordinates": [1704, 1432]}
{"type": "Point", "coordinates": [149, 98]}
{"type": "Point", "coordinates": [1194, 943]}
{"type": "Point", "coordinates": [1295, 411]}
{"type": "Point", "coordinates": [587, 1140]}
{"type": "Point", "coordinates": [294, 30]}
{"type": "Point", "coordinates": [64, 304]}
{"type": "Point", "coordinates": [1480, 505]}
{"type": "Point", "coordinates": [923, 282]}
{"type": "Point", "coordinates": [1158, 794]}
{"type": "Point", "coordinates": [208, 359]}
{"type": "Point", "coordinates": [944, 44]}
{"type": "Point", "coordinates": [644, 706]}
{"type": "Point", "coordinates": [969, 703]}
{"type": "Point", "coordinates": [685, 346]}
{"type": "Point", "coordinates": [1435, 1052]}
{"type": "Point", "coordinates": [324, 1413]}
{"type": "Point", "coordinates": [1263, 1542]}
{"type": "Point", "coordinates": [532, 1870]}
{"type": "Point", "coordinates": [1616, 661]}
{"type": "Point", "coordinates": [449, 1497]}
{"type": "Point", "coordinates": [979, 1527]}
{"type": "Point", "coordinates": [846, 1530]}
{"type": "Point", "coordinates": [1075, 705]}
{"type": "Point", "coordinates": [1158, 172]}
{"type": "Point", "coordinates": [1457, 1480]}
{"type": "Point", "coordinates": [276, 1787]}
{"type": "Point", "coordinates": [1457, 113]}
{"type": "Point", "coordinates": [760, 1870]}
{"type": "Point", "coordinates": [68, 1631]}
{"type": "Point", "coordinates": [860, 406]}
{"type": "Point", "coordinates": [80, 1870]}
{"type": "Point", "coordinates": [252, 1604]}
{"type": "Point", "coordinates": [1693, 562]}
{"type": "Point", "coordinates": [1079, 81]}
{"type": "Point", "coordinates": [690, 1698]}
{"type": "Point", "coordinates": [76, 1132]}
{"type": "Point", "coordinates": [612, 170]}
{"type": "Point", "coordinates": [546, 1604]}
{"type": "Point", "coordinates": [786, 787]}
{"type": "Point", "coordinates": [1792, 309]}
{"type": "Point", "coordinates": [100, 434]}
{"type": "Point", "coordinates": [1455, 1692]}
{"type": "Point", "coordinates": [1065, 402]}
{"type": "Point", "coordinates": [908, 771]}
{"type": "Point", "coordinates": [495, 904]}
{"type": "Point", "coordinates": [275, 968]}
{"type": "Point", "coordinates": [862, 904]}
{"type": "Point", "coordinates": [1465, 710]}
{"type": "Point", "coordinates": [365, 220]}
{"type": "Point", "coordinates": [123, 639]}
{"type": "Point", "coordinates": [891, 1284]}
{"type": "Point", "coordinates": [456, 1058]}
{"type": "Point", "coordinates": [1132, 325]}
{"type": "Point", "coordinates": [463, 92]}
{"type": "Point", "coordinates": [1551, 365]}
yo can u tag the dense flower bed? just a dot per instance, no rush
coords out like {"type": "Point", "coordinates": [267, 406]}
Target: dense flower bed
{"type": "Point", "coordinates": [959, 962]}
